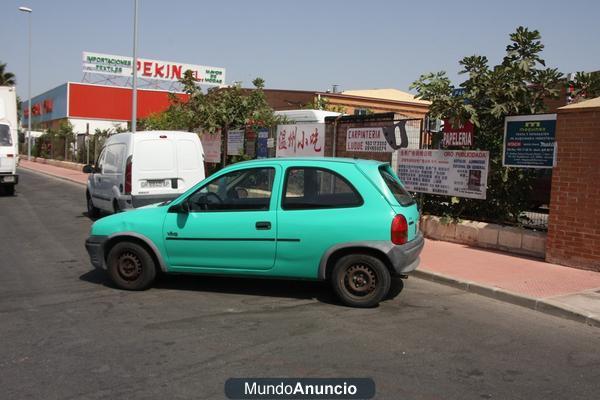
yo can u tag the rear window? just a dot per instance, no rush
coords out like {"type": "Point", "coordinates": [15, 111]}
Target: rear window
{"type": "Point", "coordinates": [310, 188]}
{"type": "Point", "coordinates": [5, 139]}
{"type": "Point", "coordinates": [400, 194]}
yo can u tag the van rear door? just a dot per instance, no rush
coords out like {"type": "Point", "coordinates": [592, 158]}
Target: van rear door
{"type": "Point", "coordinates": [190, 162]}
{"type": "Point", "coordinates": [8, 154]}
{"type": "Point", "coordinates": [154, 165]}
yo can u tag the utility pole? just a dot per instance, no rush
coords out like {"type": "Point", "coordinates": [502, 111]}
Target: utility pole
{"type": "Point", "coordinates": [28, 11]}
{"type": "Point", "coordinates": [134, 85]}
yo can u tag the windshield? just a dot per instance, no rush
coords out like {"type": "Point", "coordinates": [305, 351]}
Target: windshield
{"type": "Point", "coordinates": [5, 139]}
{"type": "Point", "coordinates": [400, 194]}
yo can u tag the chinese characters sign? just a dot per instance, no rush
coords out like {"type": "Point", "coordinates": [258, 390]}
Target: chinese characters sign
{"type": "Point", "coordinates": [108, 64]}
{"type": "Point", "coordinates": [444, 172]}
{"type": "Point", "coordinates": [300, 140]}
{"type": "Point", "coordinates": [529, 141]}
{"type": "Point", "coordinates": [211, 144]}
{"type": "Point", "coordinates": [367, 139]}
{"type": "Point", "coordinates": [235, 143]}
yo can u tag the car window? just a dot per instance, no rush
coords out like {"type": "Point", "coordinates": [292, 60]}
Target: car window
{"type": "Point", "coordinates": [309, 188]}
{"type": "Point", "coordinates": [400, 194]}
{"type": "Point", "coordinates": [100, 162]}
{"type": "Point", "coordinates": [5, 139]}
{"type": "Point", "coordinates": [113, 158]}
{"type": "Point", "coordinates": [243, 190]}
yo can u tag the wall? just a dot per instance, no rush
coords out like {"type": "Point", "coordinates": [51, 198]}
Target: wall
{"type": "Point", "coordinates": [574, 220]}
{"type": "Point", "coordinates": [351, 103]}
{"type": "Point", "coordinates": [351, 121]}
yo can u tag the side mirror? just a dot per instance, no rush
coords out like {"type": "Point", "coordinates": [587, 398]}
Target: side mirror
{"type": "Point", "coordinates": [181, 208]}
{"type": "Point", "coordinates": [88, 169]}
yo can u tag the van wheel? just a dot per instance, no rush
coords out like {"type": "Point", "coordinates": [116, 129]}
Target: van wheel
{"type": "Point", "coordinates": [360, 280]}
{"type": "Point", "coordinates": [130, 266]}
{"type": "Point", "coordinates": [93, 212]}
{"type": "Point", "coordinates": [10, 190]}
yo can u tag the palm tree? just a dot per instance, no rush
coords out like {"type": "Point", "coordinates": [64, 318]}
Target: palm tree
{"type": "Point", "coordinates": [6, 78]}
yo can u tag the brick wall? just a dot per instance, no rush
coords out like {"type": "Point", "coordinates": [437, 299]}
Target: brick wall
{"type": "Point", "coordinates": [574, 221]}
{"type": "Point", "coordinates": [347, 122]}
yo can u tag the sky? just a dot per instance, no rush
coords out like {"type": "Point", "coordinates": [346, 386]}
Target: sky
{"type": "Point", "coordinates": [305, 45]}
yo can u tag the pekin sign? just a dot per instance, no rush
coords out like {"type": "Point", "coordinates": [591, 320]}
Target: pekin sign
{"type": "Point", "coordinates": [108, 64]}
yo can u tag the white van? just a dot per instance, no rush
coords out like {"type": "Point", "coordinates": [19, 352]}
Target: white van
{"type": "Point", "coordinates": [135, 170]}
{"type": "Point", "coordinates": [9, 141]}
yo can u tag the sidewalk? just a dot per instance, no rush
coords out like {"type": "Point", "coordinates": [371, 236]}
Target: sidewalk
{"type": "Point", "coordinates": [57, 172]}
{"type": "Point", "coordinates": [561, 291]}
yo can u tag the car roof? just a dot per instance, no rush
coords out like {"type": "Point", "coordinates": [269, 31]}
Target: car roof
{"type": "Point", "coordinates": [299, 160]}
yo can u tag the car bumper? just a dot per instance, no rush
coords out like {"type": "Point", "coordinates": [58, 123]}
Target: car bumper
{"type": "Point", "coordinates": [405, 257]}
{"type": "Point", "coordinates": [95, 248]}
{"type": "Point", "coordinates": [9, 179]}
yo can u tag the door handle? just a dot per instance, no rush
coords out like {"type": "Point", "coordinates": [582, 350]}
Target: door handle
{"type": "Point", "coordinates": [263, 225]}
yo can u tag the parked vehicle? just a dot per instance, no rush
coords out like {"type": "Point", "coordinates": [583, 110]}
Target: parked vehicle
{"type": "Point", "coordinates": [9, 140]}
{"type": "Point", "coordinates": [346, 221]}
{"type": "Point", "coordinates": [135, 170]}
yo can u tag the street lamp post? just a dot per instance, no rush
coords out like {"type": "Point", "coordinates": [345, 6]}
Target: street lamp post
{"type": "Point", "coordinates": [28, 11]}
{"type": "Point", "coordinates": [134, 82]}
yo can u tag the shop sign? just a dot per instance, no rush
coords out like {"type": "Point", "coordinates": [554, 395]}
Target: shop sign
{"type": "Point", "coordinates": [444, 172]}
{"type": "Point", "coordinates": [300, 140]}
{"type": "Point", "coordinates": [108, 64]}
{"type": "Point", "coordinates": [367, 139]}
{"type": "Point", "coordinates": [529, 141]}
{"type": "Point", "coordinates": [235, 142]}
{"type": "Point", "coordinates": [460, 135]}
{"type": "Point", "coordinates": [261, 144]}
{"type": "Point", "coordinates": [211, 144]}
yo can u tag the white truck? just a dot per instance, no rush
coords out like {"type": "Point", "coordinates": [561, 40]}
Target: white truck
{"type": "Point", "coordinates": [9, 140]}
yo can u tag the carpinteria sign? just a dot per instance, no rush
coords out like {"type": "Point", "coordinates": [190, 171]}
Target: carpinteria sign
{"type": "Point", "coordinates": [108, 64]}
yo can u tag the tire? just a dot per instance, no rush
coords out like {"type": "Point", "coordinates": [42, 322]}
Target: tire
{"type": "Point", "coordinates": [93, 212]}
{"type": "Point", "coordinates": [130, 266]}
{"type": "Point", "coordinates": [10, 190]}
{"type": "Point", "coordinates": [360, 280]}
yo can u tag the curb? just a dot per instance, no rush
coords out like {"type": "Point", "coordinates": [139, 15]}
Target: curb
{"type": "Point", "coordinates": [64, 178]}
{"type": "Point", "coordinates": [542, 305]}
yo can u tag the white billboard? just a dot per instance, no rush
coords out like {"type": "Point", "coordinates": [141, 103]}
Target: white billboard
{"type": "Point", "coordinates": [300, 140]}
{"type": "Point", "coordinates": [367, 139]}
{"type": "Point", "coordinates": [444, 172]}
{"type": "Point", "coordinates": [109, 64]}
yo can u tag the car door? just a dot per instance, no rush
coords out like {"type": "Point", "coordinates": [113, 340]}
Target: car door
{"type": "Point", "coordinates": [98, 184]}
{"type": "Point", "coordinates": [230, 225]}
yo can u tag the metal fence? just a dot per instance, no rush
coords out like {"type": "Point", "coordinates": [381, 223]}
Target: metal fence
{"type": "Point", "coordinates": [534, 217]}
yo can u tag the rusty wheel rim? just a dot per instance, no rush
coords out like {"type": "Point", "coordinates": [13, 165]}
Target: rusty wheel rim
{"type": "Point", "coordinates": [360, 280]}
{"type": "Point", "coordinates": [129, 266]}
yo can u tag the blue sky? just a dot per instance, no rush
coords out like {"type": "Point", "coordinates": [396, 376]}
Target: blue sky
{"type": "Point", "coordinates": [295, 44]}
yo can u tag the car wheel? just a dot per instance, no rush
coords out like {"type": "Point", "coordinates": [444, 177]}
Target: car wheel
{"type": "Point", "coordinates": [360, 280]}
{"type": "Point", "coordinates": [130, 266]}
{"type": "Point", "coordinates": [10, 190]}
{"type": "Point", "coordinates": [93, 212]}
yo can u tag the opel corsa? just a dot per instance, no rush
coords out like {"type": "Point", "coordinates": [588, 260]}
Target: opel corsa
{"type": "Point", "coordinates": [347, 221]}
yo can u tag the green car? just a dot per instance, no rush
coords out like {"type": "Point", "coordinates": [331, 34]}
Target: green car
{"type": "Point", "coordinates": [347, 221]}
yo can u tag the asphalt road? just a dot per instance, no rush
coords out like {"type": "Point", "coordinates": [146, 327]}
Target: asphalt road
{"type": "Point", "coordinates": [66, 333]}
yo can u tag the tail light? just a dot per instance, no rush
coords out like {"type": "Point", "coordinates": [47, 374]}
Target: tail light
{"type": "Point", "coordinates": [399, 230]}
{"type": "Point", "coordinates": [128, 176]}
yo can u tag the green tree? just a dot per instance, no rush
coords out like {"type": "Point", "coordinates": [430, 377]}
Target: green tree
{"type": "Point", "coordinates": [585, 85]}
{"type": "Point", "coordinates": [6, 78]}
{"type": "Point", "coordinates": [518, 85]}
